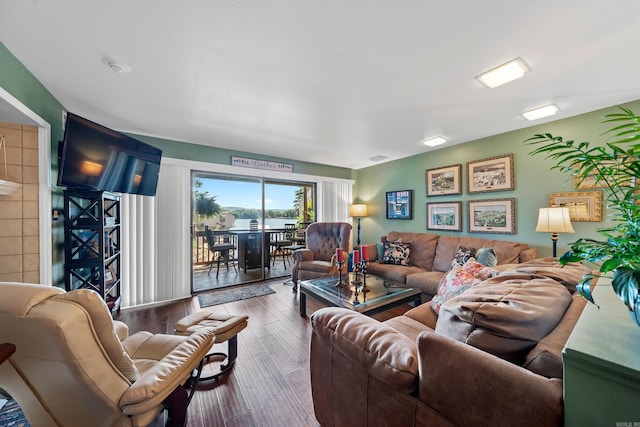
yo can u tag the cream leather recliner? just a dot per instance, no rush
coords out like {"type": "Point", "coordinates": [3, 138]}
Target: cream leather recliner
{"type": "Point", "coordinates": [75, 366]}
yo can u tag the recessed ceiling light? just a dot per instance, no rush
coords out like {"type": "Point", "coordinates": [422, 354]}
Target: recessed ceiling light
{"type": "Point", "coordinates": [436, 140]}
{"type": "Point", "coordinates": [117, 67]}
{"type": "Point", "coordinates": [504, 73]}
{"type": "Point", "coordinates": [538, 113]}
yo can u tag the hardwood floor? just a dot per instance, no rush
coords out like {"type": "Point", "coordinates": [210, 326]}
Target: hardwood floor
{"type": "Point", "coordinates": [269, 384]}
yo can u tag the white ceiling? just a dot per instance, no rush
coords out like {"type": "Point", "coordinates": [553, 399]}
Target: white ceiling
{"type": "Point", "coordinates": [328, 81]}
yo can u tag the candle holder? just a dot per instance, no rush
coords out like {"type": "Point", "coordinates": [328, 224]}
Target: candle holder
{"type": "Point", "coordinates": [356, 276]}
{"type": "Point", "coordinates": [362, 266]}
{"type": "Point", "coordinates": [340, 284]}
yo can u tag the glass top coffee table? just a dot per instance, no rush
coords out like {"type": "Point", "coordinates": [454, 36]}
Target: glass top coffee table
{"type": "Point", "coordinates": [382, 294]}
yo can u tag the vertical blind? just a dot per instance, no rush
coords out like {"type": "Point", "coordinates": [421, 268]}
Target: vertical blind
{"type": "Point", "coordinates": [156, 233]}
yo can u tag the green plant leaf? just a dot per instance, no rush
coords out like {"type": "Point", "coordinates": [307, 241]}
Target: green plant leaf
{"type": "Point", "coordinates": [626, 283]}
{"type": "Point", "coordinates": [584, 288]}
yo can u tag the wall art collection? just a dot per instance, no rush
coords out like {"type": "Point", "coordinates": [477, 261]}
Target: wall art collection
{"type": "Point", "coordinates": [492, 174]}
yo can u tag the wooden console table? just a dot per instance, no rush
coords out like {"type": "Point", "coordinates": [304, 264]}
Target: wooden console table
{"type": "Point", "coordinates": [602, 365]}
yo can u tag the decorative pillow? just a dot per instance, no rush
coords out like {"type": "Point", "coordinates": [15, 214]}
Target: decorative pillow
{"type": "Point", "coordinates": [479, 271]}
{"type": "Point", "coordinates": [396, 253]}
{"type": "Point", "coordinates": [487, 256]}
{"type": "Point", "coordinates": [462, 255]}
{"type": "Point", "coordinates": [380, 251]}
{"type": "Point", "coordinates": [455, 282]}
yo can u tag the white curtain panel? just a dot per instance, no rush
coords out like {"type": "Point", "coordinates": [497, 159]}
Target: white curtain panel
{"type": "Point", "coordinates": [334, 198]}
{"type": "Point", "coordinates": [137, 271]}
{"type": "Point", "coordinates": [155, 241]}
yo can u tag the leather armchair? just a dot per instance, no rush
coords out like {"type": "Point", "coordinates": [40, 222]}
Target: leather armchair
{"type": "Point", "coordinates": [75, 366]}
{"type": "Point", "coordinates": [318, 258]}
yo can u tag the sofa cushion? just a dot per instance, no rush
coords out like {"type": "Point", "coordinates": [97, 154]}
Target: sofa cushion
{"type": "Point", "coordinates": [423, 247]}
{"type": "Point", "coordinates": [505, 315]}
{"type": "Point", "coordinates": [395, 273]}
{"type": "Point", "coordinates": [506, 252]}
{"type": "Point", "coordinates": [396, 253]}
{"type": "Point", "coordinates": [546, 357]}
{"type": "Point", "coordinates": [426, 281]}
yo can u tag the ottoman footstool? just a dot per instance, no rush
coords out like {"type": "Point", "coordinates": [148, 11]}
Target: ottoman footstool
{"type": "Point", "coordinates": [226, 328]}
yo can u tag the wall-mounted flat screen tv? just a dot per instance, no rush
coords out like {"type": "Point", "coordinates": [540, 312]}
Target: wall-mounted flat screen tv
{"type": "Point", "coordinates": [93, 157]}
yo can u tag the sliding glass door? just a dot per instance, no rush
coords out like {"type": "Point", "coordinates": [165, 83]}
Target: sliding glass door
{"type": "Point", "coordinates": [245, 228]}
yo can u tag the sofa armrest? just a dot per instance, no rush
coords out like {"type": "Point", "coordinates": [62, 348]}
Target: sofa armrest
{"type": "Point", "coordinates": [300, 255]}
{"type": "Point", "coordinates": [373, 251]}
{"type": "Point", "coordinates": [471, 387]}
{"type": "Point", "coordinates": [173, 367]}
{"type": "Point", "coordinates": [377, 349]}
{"type": "Point", "coordinates": [528, 255]}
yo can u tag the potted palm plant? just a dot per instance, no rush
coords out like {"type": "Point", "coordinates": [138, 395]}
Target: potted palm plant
{"type": "Point", "coordinates": [614, 166]}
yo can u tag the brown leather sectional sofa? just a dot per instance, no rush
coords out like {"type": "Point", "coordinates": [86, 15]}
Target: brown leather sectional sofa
{"type": "Point", "coordinates": [431, 255]}
{"type": "Point", "coordinates": [493, 356]}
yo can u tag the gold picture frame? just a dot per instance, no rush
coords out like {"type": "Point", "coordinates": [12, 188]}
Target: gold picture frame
{"type": "Point", "coordinates": [490, 174]}
{"type": "Point", "coordinates": [584, 206]}
{"type": "Point", "coordinates": [496, 216]}
{"type": "Point", "coordinates": [444, 180]}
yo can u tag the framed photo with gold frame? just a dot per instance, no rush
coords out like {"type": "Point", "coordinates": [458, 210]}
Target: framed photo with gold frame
{"type": "Point", "coordinates": [444, 216]}
{"type": "Point", "coordinates": [492, 216]}
{"type": "Point", "coordinates": [584, 206]}
{"type": "Point", "coordinates": [490, 174]}
{"type": "Point", "coordinates": [590, 182]}
{"type": "Point", "coordinates": [444, 181]}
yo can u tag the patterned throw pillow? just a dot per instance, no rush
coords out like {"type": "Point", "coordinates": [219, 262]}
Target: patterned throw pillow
{"type": "Point", "coordinates": [459, 279]}
{"type": "Point", "coordinates": [455, 282]}
{"type": "Point", "coordinates": [487, 256]}
{"type": "Point", "coordinates": [396, 253]}
{"type": "Point", "coordinates": [462, 255]}
{"type": "Point", "coordinates": [479, 271]}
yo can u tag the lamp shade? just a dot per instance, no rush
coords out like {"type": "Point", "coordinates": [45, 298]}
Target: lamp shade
{"type": "Point", "coordinates": [554, 220]}
{"type": "Point", "coordinates": [358, 210]}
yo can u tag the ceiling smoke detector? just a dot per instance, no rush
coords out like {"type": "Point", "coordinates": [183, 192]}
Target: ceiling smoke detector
{"type": "Point", "coordinates": [117, 67]}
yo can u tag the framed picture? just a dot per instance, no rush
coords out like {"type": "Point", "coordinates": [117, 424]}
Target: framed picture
{"type": "Point", "coordinates": [444, 216]}
{"type": "Point", "coordinates": [444, 180]}
{"type": "Point", "coordinates": [400, 204]}
{"type": "Point", "coordinates": [492, 216]}
{"type": "Point", "coordinates": [491, 174]}
{"type": "Point", "coordinates": [584, 206]}
{"type": "Point", "coordinates": [590, 181]}
{"type": "Point", "coordinates": [110, 276]}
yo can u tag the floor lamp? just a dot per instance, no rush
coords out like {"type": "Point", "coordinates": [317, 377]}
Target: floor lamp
{"type": "Point", "coordinates": [554, 220]}
{"type": "Point", "coordinates": [358, 211]}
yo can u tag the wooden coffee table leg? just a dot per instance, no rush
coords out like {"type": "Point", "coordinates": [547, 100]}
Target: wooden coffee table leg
{"type": "Point", "coordinates": [303, 304]}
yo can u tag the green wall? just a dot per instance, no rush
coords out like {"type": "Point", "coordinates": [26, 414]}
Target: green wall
{"type": "Point", "coordinates": [533, 182]}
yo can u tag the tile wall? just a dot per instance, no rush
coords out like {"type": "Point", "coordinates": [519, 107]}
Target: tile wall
{"type": "Point", "coordinates": [19, 234]}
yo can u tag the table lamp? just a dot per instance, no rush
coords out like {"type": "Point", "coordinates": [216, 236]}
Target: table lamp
{"type": "Point", "coordinates": [358, 211]}
{"type": "Point", "coordinates": [554, 220]}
